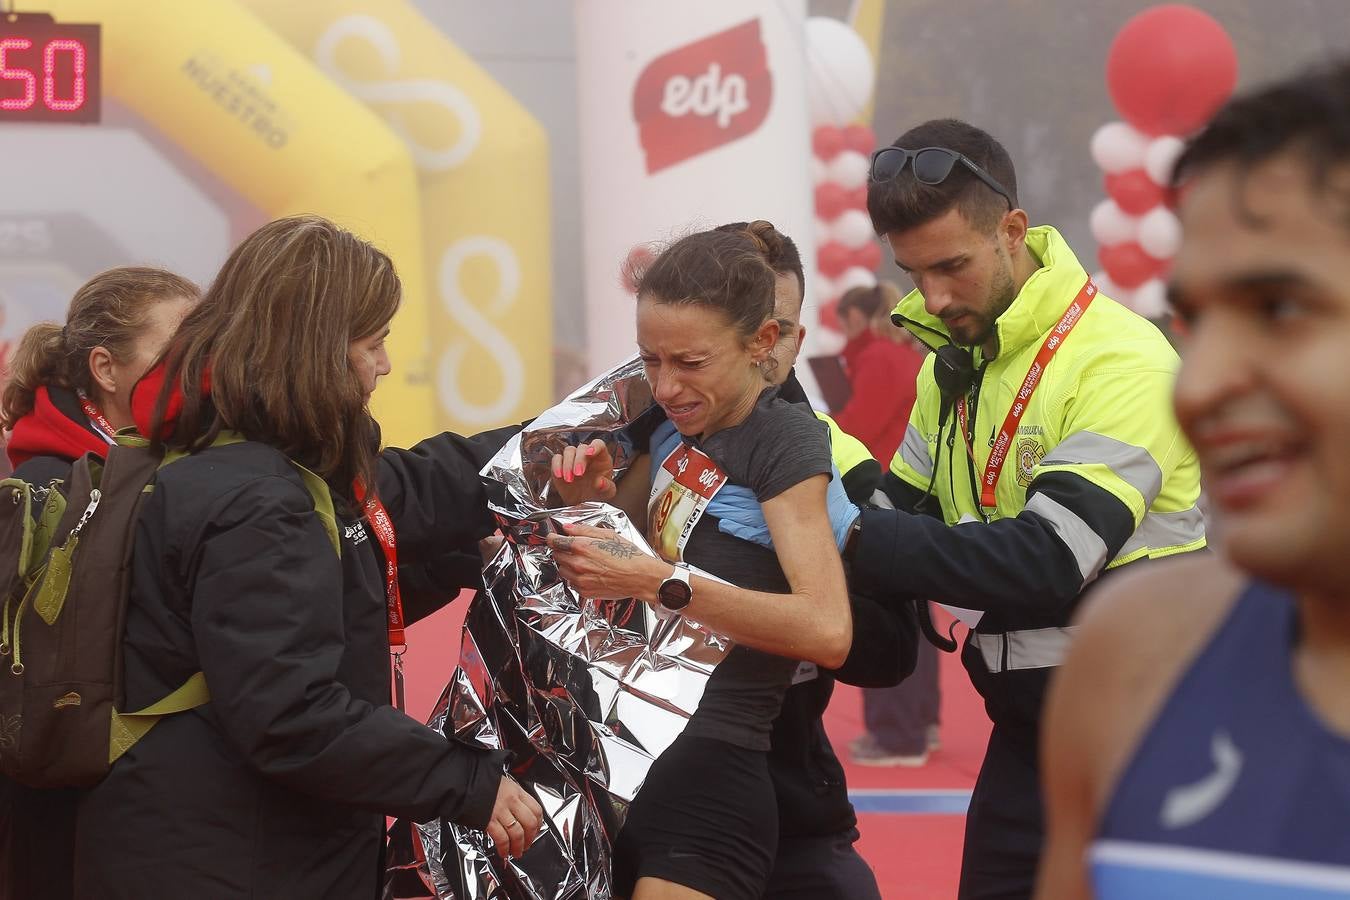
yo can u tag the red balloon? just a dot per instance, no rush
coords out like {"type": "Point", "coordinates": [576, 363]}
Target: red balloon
{"type": "Point", "coordinates": [857, 198]}
{"type": "Point", "coordinates": [831, 200]}
{"type": "Point", "coordinates": [1170, 68]}
{"type": "Point", "coordinates": [833, 258]}
{"type": "Point", "coordinates": [1134, 191]}
{"type": "Point", "coordinates": [638, 259]}
{"type": "Point", "coordinates": [829, 315]}
{"type": "Point", "coordinates": [868, 256]}
{"type": "Point", "coordinates": [860, 138]}
{"type": "Point", "coordinates": [827, 142]}
{"type": "Point", "coordinates": [1128, 265]}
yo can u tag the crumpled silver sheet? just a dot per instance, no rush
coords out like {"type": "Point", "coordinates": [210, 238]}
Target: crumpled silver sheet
{"type": "Point", "coordinates": [584, 693]}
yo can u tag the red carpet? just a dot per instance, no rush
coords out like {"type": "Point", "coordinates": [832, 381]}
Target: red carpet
{"type": "Point", "coordinates": [915, 856]}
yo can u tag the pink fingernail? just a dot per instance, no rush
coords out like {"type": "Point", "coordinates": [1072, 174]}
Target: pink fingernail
{"type": "Point", "coordinates": [590, 449]}
{"type": "Point", "coordinates": [578, 469]}
{"type": "Point", "coordinates": [568, 477]}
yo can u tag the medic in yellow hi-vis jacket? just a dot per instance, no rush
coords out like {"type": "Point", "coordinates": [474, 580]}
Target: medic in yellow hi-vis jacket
{"type": "Point", "coordinates": [1042, 445]}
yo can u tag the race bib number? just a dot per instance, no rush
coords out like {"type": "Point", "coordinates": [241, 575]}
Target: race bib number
{"type": "Point", "coordinates": [684, 486]}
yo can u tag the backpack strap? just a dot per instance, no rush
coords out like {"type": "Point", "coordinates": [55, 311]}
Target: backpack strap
{"type": "Point", "coordinates": [323, 504]}
{"type": "Point", "coordinates": [174, 454]}
{"type": "Point", "coordinates": [318, 489]}
{"type": "Point", "coordinates": [21, 493]}
{"type": "Point", "coordinates": [128, 728]}
{"type": "Point", "coordinates": [48, 519]}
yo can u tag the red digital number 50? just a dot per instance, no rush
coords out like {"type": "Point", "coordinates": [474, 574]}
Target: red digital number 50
{"type": "Point", "coordinates": [29, 78]}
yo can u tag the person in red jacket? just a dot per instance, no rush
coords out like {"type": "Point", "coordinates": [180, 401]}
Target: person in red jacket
{"type": "Point", "coordinates": [881, 372]}
{"type": "Point", "coordinates": [883, 362]}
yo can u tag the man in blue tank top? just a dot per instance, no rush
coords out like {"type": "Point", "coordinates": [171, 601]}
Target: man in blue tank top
{"type": "Point", "coordinates": [1198, 737]}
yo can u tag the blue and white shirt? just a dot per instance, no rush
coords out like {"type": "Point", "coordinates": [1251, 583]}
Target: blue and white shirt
{"type": "Point", "coordinates": [1237, 791]}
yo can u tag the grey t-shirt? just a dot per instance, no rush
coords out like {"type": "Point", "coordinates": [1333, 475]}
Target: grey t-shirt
{"type": "Point", "coordinates": [780, 445]}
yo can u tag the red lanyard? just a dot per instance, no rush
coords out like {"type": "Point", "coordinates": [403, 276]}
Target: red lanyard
{"type": "Point", "coordinates": [383, 526]}
{"type": "Point", "coordinates": [97, 417]}
{"type": "Point", "coordinates": [998, 454]}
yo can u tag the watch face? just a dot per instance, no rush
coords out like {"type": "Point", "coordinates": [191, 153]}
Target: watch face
{"type": "Point", "coordinates": [674, 594]}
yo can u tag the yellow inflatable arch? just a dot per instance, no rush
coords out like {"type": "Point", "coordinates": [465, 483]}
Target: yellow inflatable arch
{"type": "Point", "coordinates": [482, 161]}
{"type": "Point", "coordinates": [234, 95]}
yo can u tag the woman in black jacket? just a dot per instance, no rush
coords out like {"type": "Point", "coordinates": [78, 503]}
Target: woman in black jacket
{"type": "Point", "coordinates": [69, 389]}
{"type": "Point", "coordinates": [278, 786]}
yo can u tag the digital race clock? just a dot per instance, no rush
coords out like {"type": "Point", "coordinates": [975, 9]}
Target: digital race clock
{"type": "Point", "coordinates": [49, 72]}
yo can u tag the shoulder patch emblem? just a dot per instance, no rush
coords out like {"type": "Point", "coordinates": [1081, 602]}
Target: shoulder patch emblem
{"type": "Point", "coordinates": [1029, 452]}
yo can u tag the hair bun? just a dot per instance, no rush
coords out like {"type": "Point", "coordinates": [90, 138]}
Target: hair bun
{"type": "Point", "coordinates": [767, 240]}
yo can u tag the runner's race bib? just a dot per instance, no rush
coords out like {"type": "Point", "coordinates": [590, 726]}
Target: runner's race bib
{"type": "Point", "coordinates": [684, 486]}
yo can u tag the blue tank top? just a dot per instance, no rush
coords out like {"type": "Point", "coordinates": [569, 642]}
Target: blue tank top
{"type": "Point", "coordinates": [1237, 791]}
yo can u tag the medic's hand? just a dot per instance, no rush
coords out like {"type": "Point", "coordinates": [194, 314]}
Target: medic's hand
{"type": "Point", "coordinates": [488, 547]}
{"type": "Point", "coordinates": [584, 473]}
{"type": "Point", "coordinates": [515, 821]}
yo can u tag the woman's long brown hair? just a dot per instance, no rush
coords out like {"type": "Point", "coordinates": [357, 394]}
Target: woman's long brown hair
{"type": "Point", "coordinates": [274, 331]}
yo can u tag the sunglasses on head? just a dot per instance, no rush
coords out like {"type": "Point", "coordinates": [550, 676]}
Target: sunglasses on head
{"type": "Point", "coordinates": [931, 165]}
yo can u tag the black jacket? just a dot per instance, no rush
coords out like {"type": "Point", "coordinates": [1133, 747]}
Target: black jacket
{"type": "Point", "coordinates": [278, 786]}
{"type": "Point", "coordinates": [979, 568]}
{"type": "Point", "coordinates": [807, 776]}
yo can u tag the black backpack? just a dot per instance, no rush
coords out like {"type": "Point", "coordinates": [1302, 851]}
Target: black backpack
{"type": "Point", "coordinates": [65, 575]}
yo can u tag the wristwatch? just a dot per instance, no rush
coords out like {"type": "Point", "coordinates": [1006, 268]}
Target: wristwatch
{"type": "Point", "coordinates": [675, 592]}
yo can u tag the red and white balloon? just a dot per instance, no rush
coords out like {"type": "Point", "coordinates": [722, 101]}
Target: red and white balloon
{"type": "Point", "coordinates": [840, 77]}
{"type": "Point", "coordinates": [1168, 70]}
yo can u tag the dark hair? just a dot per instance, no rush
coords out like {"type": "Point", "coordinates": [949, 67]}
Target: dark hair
{"type": "Point", "coordinates": [108, 311]}
{"type": "Point", "coordinates": [904, 202]}
{"type": "Point", "coordinates": [785, 259]}
{"type": "Point", "coordinates": [727, 270]}
{"type": "Point", "coordinates": [1308, 114]}
{"type": "Point", "coordinates": [867, 300]}
{"type": "Point", "coordinates": [274, 331]}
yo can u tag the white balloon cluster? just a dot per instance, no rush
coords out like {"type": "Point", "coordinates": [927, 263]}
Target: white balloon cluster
{"type": "Point", "coordinates": [1135, 227]}
{"type": "Point", "coordinates": [839, 81]}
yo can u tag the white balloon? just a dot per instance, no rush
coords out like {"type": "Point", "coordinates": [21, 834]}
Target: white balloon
{"type": "Point", "coordinates": [839, 72]}
{"type": "Point", "coordinates": [820, 173]}
{"type": "Point", "coordinates": [825, 288]}
{"type": "Point", "coordinates": [824, 234]}
{"type": "Point", "coordinates": [1112, 225]}
{"type": "Point", "coordinates": [1160, 233]}
{"type": "Point", "coordinates": [849, 169]}
{"type": "Point", "coordinates": [1116, 147]}
{"type": "Point", "coordinates": [853, 228]}
{"type": "Point", "coordinates": [855, 276]}
{"type": "Point", "coordinates": [1161, 156]}
{"type": "Point", "coordinates": [1108, 287]}
{"type": "Point", "coordinates": [1150, 299]}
